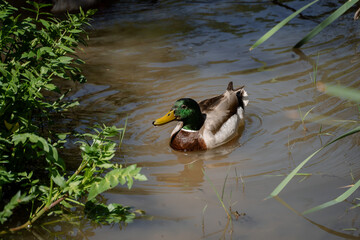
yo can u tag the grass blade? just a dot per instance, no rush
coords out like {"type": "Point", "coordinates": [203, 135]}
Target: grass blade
{"type": "Point", "coordinates": [272, 31]}
{"type": "Point", "coordinates": [223, 188]}
{"type": "Point", "coordinates": [218, 196]}
{"type": "Point", "coordinates": [339, 91]}
{"type": "Point", "coordinates": [340, 11]}
{"type": "Point", "coordinates": [339, 199]}
{"type": "Point", "coordinates": [282, 185]}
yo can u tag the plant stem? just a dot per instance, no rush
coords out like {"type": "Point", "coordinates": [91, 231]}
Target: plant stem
{"type": "Point", "coordinates": [50, 193]}
{"type": "Point", "coordinates": [37, 215]}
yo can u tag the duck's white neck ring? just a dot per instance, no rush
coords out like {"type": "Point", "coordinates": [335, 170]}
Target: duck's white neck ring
{"type": "Point", "coordinates": [187, 130]}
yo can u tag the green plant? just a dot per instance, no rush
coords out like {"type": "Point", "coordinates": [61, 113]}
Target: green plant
{"type": "Point", "coordinates": [313, 76]}
{"type": "Point", "coordinates": [33, 51]}
{"type": "Point", "coordinates": [335, 15]}
{"type": "Point", "coordinates": [304, 117]}
{"type": "Point", "coordinates": [346, 93]}
{"type": "Point", "coordinates": [94, 175]}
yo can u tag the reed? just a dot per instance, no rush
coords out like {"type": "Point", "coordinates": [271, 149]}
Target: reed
{"type": "Point", "coordinates": [335, 15]}
{"type": "Point", "coordinates": [272, 31]}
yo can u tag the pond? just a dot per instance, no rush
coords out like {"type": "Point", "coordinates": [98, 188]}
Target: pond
{"type": "Point", "coordinates": [144, 55]}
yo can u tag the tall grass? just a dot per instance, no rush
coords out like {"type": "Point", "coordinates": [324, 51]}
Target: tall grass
{"type": "Point", "coordinates": [335, 15]}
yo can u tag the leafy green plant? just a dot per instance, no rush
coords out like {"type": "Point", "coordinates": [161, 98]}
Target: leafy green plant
{"type": "Point", "coordinates": [33, 177]}
{"type": "Point", "coordinates": [33, 51]}
{"type": "Point", "coordinates": [335, 15]}
{"type": "Point", "coordinates": [88, 181]}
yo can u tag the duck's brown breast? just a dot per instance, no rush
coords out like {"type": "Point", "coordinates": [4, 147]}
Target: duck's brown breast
{"type": "Point", "coordinates": [187, 141]}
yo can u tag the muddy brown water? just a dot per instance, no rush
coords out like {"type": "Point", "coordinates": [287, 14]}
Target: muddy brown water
{"type": "Point", "coordinates": [144, 55]}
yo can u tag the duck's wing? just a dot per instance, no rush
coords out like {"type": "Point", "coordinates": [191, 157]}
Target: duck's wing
{"type": "Point", "coordinates": [220, 108]}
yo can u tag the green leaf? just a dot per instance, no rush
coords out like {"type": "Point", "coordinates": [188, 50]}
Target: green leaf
{"type": "Point", "coordinates": [40, 141]}
{"type": "Point", "coordinates": [53, 157]}
{"type": "Point", "coordinates": [69, 39]}
{"type": "Point", "coordinates": [52, 87]}
{"type": "Point", "coordinates": [335, 15]}
{"type": "Point", "coordinates": [59, 180]}
{"type": "Point", "coordinates": [45, 23]}
{"type": "Point", "coordinates": [75, 31]}
{"type": "Point", "coordinates": [339, 199]}
{"type": "Point", "coordinates": [16, 200]}
{"type": "Point", "coordinates": [113, 178]}
{"type": "Point", "coordinates": [62, 136]}
{"type": "Point", "coordinates": [67, 49]}
{"type": "Point", "coordinates": [24, 137]}
{"type": "Point", "coordinates": [47, 50]}
{"type": "Point", "coordinates": [140, 177]}
{"type": "Point", "coordinates": [65, 59]}
{"type": "Point", "coordinates": [66, 204]}
{"type": "Point", "coordinates": [272, 31]}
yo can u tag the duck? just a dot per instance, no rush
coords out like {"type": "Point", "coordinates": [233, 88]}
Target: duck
{"type": "Point", "coordinates": [206, 124]}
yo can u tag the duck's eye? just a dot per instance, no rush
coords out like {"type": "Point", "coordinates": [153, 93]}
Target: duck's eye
{"type": "Point", "coordinates": [183, 107]}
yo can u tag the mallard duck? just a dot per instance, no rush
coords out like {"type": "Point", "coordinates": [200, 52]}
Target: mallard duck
{"type": "Point", "coordinates": [207, 124]}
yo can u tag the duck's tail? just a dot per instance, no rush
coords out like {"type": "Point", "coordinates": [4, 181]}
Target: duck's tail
{"type": "Point", "coordinates": [241, 94]}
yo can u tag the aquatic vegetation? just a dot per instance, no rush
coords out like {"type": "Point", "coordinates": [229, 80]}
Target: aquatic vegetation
{"type": "Point", "coordinates": [303, 117]}
{"type": "Point", "coordinates": [346, 93]}
{"type": "Point", "coordinates": [339, 91]}
{"type": "Point", "coordinates": [34, 181]}
{"type": "Point", "coordinates": [335, 15]}
{"type": "Point", "coordinates": [314, 74]}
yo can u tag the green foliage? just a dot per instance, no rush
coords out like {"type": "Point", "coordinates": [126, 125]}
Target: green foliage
{"type": "Point", "coordinates": [33, 51]}
{"type": "Point", "coordinates": [16, 200]}
{"type": "Point", "coordinates": [335, 15]}
{"type": "Point", "coordinates": [115, 177]}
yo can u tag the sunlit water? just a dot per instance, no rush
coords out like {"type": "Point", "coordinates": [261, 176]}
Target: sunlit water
{"type": "Point", "coordinates": [144, 55]}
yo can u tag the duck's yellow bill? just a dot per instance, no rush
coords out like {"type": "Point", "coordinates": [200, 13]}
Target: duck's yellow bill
{"type": "Point", "coordinates": [165, 119]}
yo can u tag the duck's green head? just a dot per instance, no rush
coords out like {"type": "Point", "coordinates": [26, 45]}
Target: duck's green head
{"type": "Point", "coordinates": [186, 110]}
